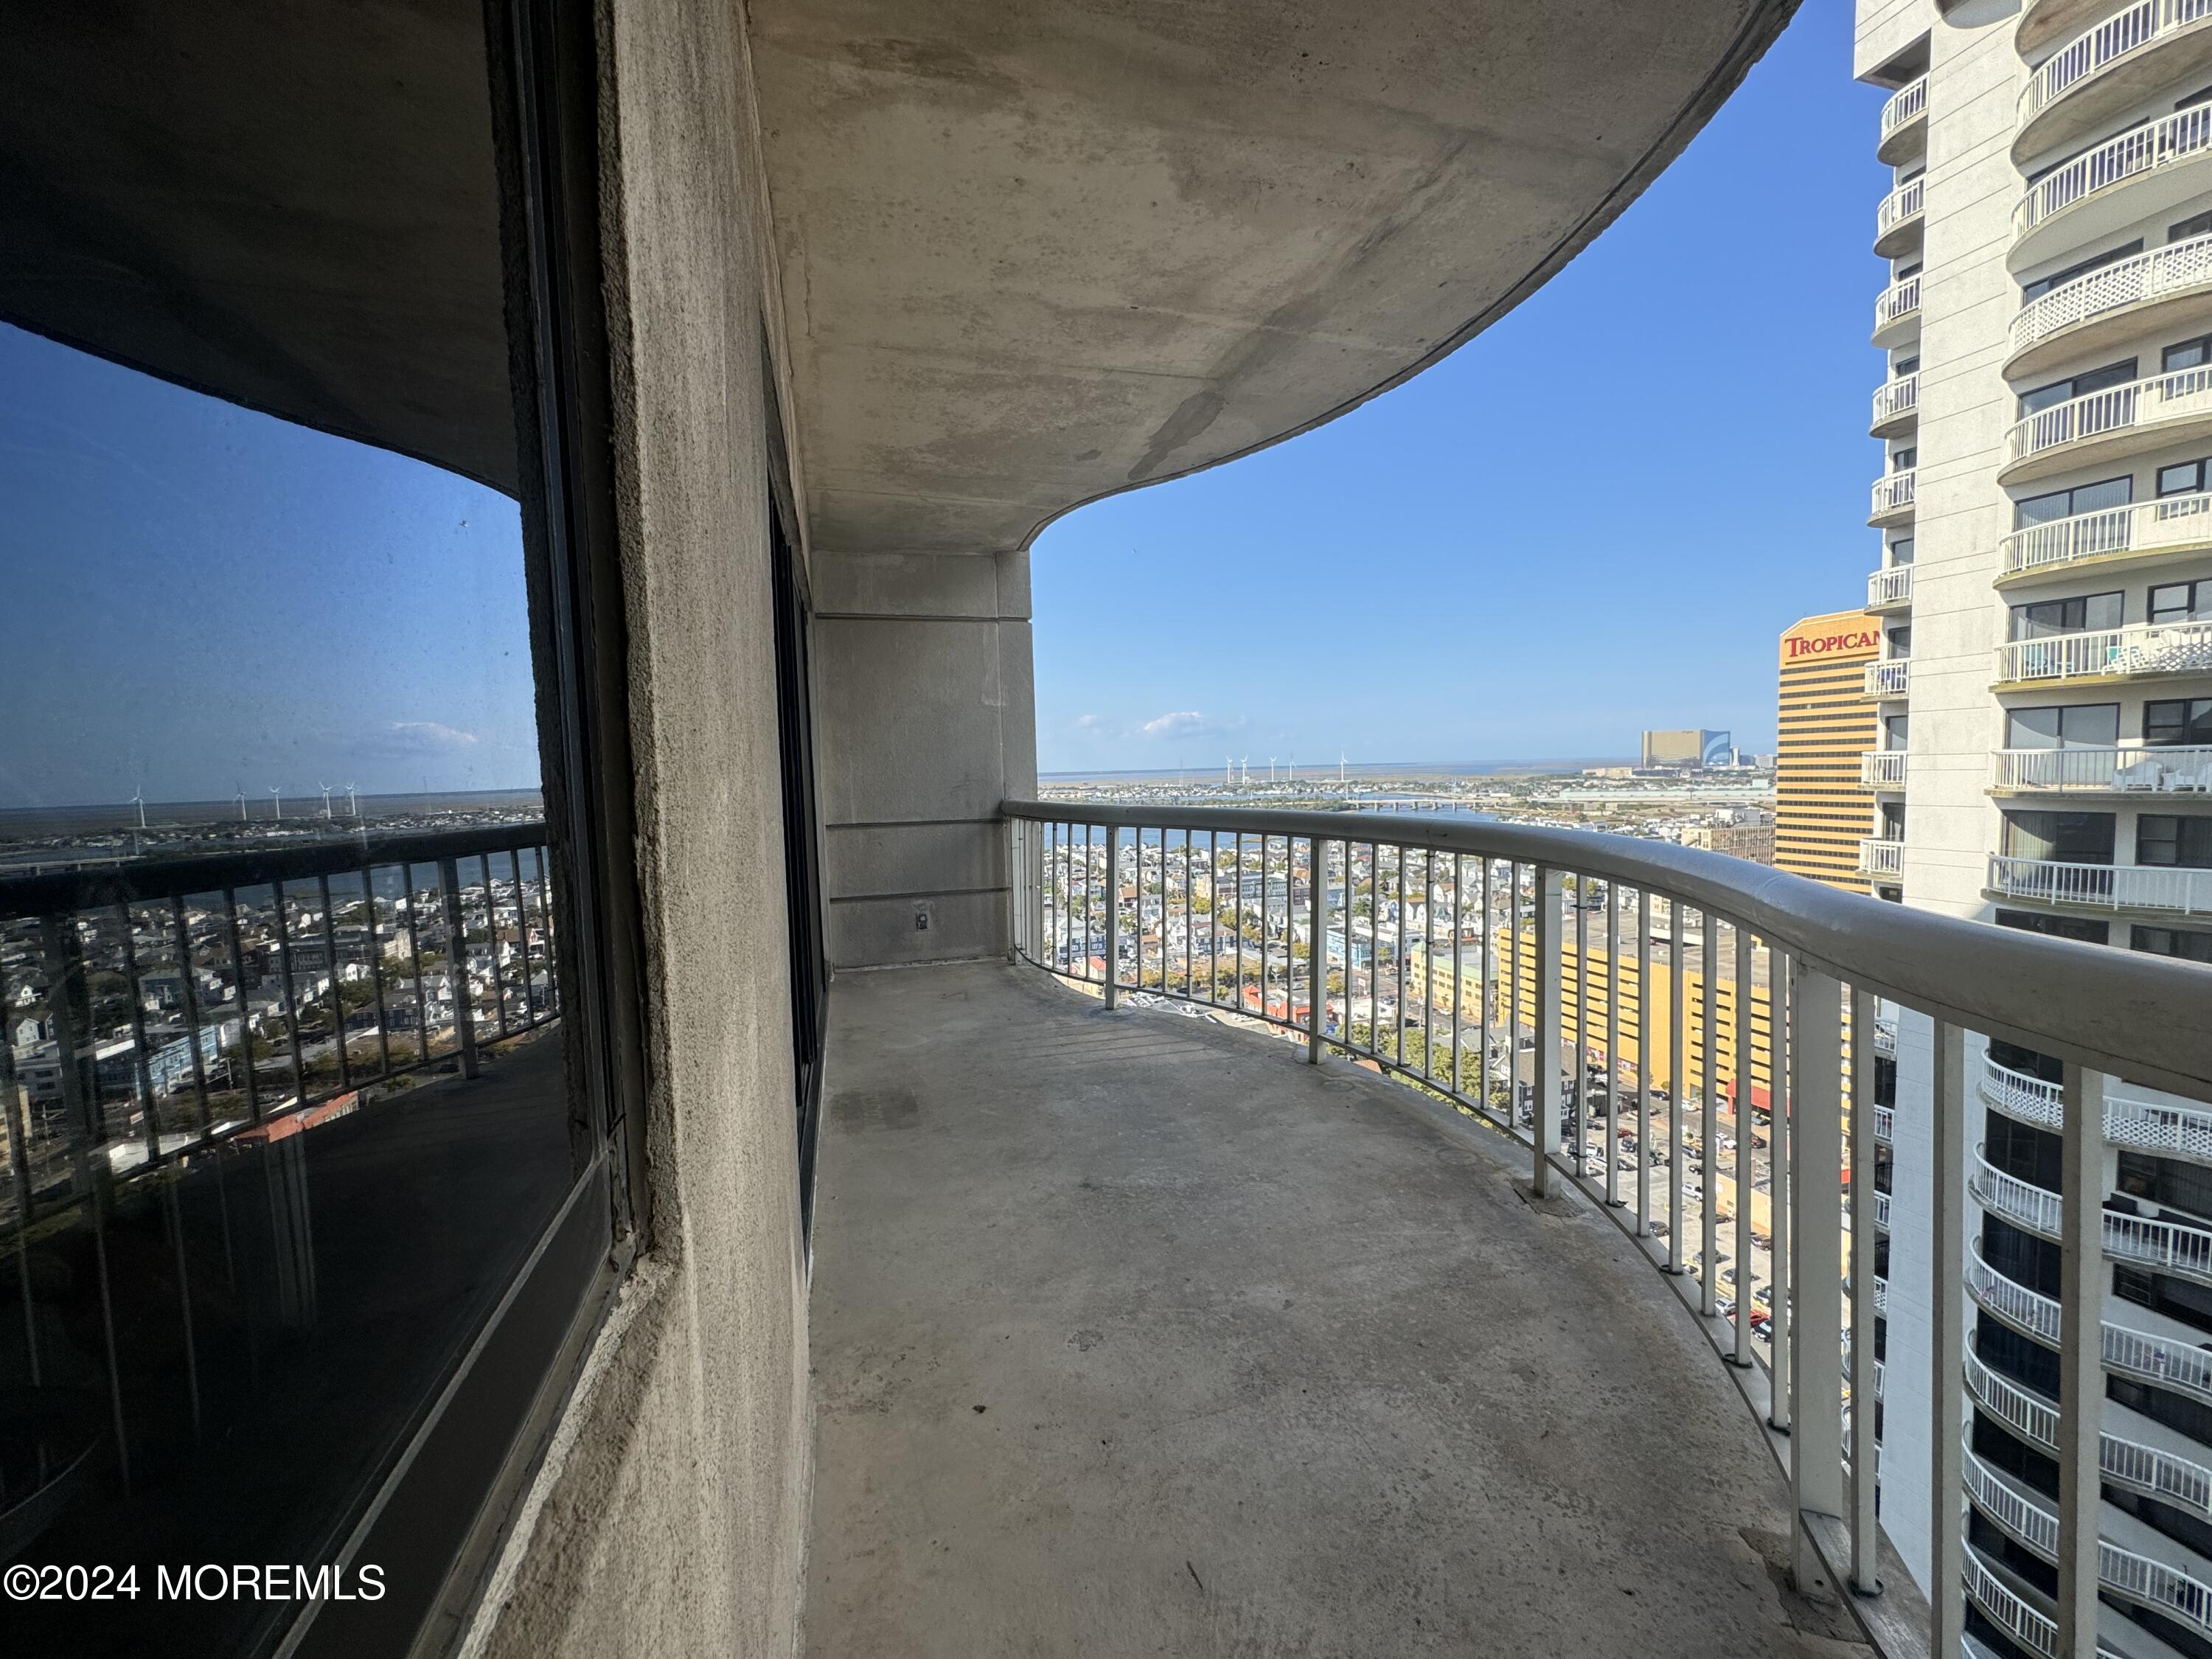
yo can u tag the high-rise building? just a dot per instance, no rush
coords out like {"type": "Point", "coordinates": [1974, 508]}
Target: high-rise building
{"type": "Point", "coordinates": [2044, 508]}
{"type": "Point", "coordinates": [1831, 750]}
{"type": "Point", "coordinates": [1693, 747]}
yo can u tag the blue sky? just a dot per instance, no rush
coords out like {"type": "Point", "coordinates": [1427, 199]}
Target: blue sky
{"type": "Point", "coordinates": [1595, 517]}
{"type": "Point", "coordinates": [201, 600]}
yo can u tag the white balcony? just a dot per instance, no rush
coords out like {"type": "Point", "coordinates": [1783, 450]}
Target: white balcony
{"type": "Point", "coordinates": [1885, 1128]}
{"type": "Point", "coordinates": [2175, 523]}
{"type": "Point", "coordinates": [2128, 769]}
{"type": "Point", "coordinates": [1893, 498]}
{"type": "Point", "coordinates": [2121, 420]}
{"type": "Point", "coordinates": [1903, 122]}
{"type": "Point", "coordinates": [1879, 856]}
{"type": "Point", "coordinates": [2106, 68]}
{"type": "Point", "coordinates": [2165, 1247]}
{"type": "Point", "coordinates": [2141, 648]}
{"type": "Point", "coordinates": [1890, 588]}
{"type": "Point", "coordinates": [2124, 1462]}
{"type": "Point", "coordinates": [1890, 678]}
{"type": "Point", "coordinates": [2168, 149]}
{"type": "Point", "coordinates": [1897, 222]}
{"type": "Point", "coordinates": [1897, 312]}
{"type": "Point", "coordinates": [2136, 1576]}
{"type": "Point", "coordinates": [1885, 1035]}
{"type": "Point", "coordinates": [2135, 1354]}
{"type": "Point", "coordinates": [1882, 768]}
{"type": "Point", "coordinates": [1881, 1210]}
{"type": "Point", "coordinates": [2151, 1123]}
{"type": "Point", "coordinates": [2103, 886]}
{"type": "Point", "coordinates": [1896, 406]}
{"type": "Point", "coordinates": [2016, 1094]}
{"type": "Point", "coordinates": [2108, 301]}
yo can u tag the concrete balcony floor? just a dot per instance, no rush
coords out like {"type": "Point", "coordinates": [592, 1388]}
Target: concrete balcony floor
{"type": "Point", "coordinates": [1132, 1334]}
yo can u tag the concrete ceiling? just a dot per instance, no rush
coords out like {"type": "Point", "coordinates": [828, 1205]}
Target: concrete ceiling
{"type": "Point", "coordinates": [1033, 254]}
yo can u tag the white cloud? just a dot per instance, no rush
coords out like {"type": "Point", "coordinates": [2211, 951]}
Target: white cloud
{"type": "Point", "coordinates": [1189, 723]}
{"type": "Point", "coordinates": [403, 738]}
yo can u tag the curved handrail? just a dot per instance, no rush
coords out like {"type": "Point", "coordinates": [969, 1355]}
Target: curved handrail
{"type": "Point", "coordinates": [2186, 394]}
{"type": "Point", "coordinates": [1896, 302]}
{"type": "Point", "coordinates": [2176, 268]}
{"type": "Point", "coordinates": [2123, 1012]}
{"type": "Point", "coordinates": [1908, 103]}
{"type": "Point", "coordinates": [1904, 203]}
{"type": "Point", "coordinates": [2124, 1461]}
{"type": "Point", "coordinates": [1893, 397]}
{"type": "Point", "coordinates": [2168, 522]}
{"type": "Point", "coordinates": [2177, 138]}
{"type": "Point", "coordinates": [2098, 48]}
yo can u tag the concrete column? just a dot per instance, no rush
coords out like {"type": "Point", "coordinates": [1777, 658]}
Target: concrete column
{"type": "Point", "coordinates": [926, 717]}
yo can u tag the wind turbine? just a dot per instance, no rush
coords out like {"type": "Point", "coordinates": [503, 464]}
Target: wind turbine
{"type": "Point", "coordinates": [277, 790]}
{"type": "Point", "coordinates": [326, 788]}
{"type": "Point", "coordinates": [1340, 766]}
{"type": "Point", "coordinates": [241, 802]}
{"type": "Point", "coordinates": [353, 806]}
{"type": "Point", "coordinates": [138, 800]}
{"type": "Point", "coordinates": [1271, 768]}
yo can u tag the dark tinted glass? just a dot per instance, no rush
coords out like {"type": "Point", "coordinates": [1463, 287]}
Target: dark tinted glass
{"type": "Point", "coordinates": [284, 1086]}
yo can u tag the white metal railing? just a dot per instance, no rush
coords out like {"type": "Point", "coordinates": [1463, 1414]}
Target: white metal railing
{"type": "Point", "coordinates": [2035, 1631]}
{"type": "Point", "coordinates": [2176, 138]}
{"type": "Point", "coordinates": [2183, 648]}
{"type": "Point", "coordinates": [1894, 398]}
{"type": "Point", "coordinates": [2126, 769]}
{"type": "Point", "coordinates": [1884, 1123]}
{"type": "Point", "coordinates": [1885, 1035]}
{"type": "Point", "coordinates": [2177, 268]}
{"type": "Point", "coordinates": [1880, 856]}
{"type": "Point", "coordinates": [2162, 1124]}
{"type": "Point", "coordinates": [1208, 906]}
{"type": "Point", "coordinates": [2107, 886]}
{"type": "Point", "coordinates": [2169, 524]}
{"type": "Point", "coordinates": [1905, 105]}
{"type": "Point", "coordinates": [2125, 1462]}
{"type": "Point", "coordinates": [2095, 50]}
{"type": "Point", "coordinates": [2035, 1208]}
{"type": "Point", "coordinates": [1882, 768]}
{"type": "Point", "coordinates": [1896, 302]}
{"type": "Point", "coordinates": [1881, 1296]}
{"type": "Point", "coordinates": [1888, 587]}
{"type": "Point", "coordinates": [2167, 1247]}
{"type": "Point", "coordinates": [1890, 677]}
{"type": "Point", "coordinates": [2030, 1099]}
{"type": "Point", "coordinates": [1902, 203]}
{"type": "Point", "coordinates": [1892, 492]}
{"type": "Point", "coordinates": [2166, 1588]}
{"type": "Point", "coordinates": [2138, 406]}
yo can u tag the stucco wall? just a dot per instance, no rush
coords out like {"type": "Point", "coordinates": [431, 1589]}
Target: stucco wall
{"type": "Point", "coordinates": [670, 1517]}
{"type": "Point", "coordinates": [927, 720]}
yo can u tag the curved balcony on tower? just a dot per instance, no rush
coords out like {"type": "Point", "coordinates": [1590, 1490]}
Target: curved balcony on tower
{"type": "Point", "coordinates": [2168, 288]}
{"type": "Point", "coordinates": [2109, 425]}
{"type": "Point", "coordinates": [2140, 533]}
{"type": "Point", "coordinates": [2108, 67]}
{"type": "Point", "coordinates": [1900, 218]}
{"type": "Point", "coordinates": [2133, 175]}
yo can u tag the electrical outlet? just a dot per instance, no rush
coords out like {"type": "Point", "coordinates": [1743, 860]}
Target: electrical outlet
{"type": "Point", "coordinates": [921, 918]}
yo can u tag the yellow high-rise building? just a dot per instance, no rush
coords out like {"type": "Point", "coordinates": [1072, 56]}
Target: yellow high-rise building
{"type": "Point", "coordinates": [1822, 810]}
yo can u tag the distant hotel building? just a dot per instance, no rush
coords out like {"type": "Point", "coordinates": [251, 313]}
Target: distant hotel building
{"type": "Point", "coordinates": [1831, 740]}
{"type": "Point", "coordinates": [2046, 613]}
{"type": "Point", "coordinates": [1690, 748]}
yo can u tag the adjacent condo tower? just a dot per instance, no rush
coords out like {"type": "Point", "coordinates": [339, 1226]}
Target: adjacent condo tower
{"type": "Point", "coordinates": [2044, 591]}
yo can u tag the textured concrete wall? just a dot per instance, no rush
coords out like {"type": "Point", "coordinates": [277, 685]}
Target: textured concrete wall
{"type": "Point", "coordinates": [670, 1518]}
{"type": "Point", "coordinates": [927, 720]}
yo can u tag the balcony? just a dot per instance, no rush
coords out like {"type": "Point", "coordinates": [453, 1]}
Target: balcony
{"type": "Point", "coordinates": [2170, 1364]}
{"type": "Point", "coordinates": [1898, 220]}
{"type": "Point", "coordinates": [2125, 1462]}
{"type": "Point", "coordinates": [1882, 768]}
{"type": "Point", "coordinates": [1896, 312]}
{"type": "Point", "coordinates": [1881, 857]}
{"type": "Point", "coordinates": [2102, 886]}
{"type": "Point", "coordinates": [1890, 678]}
{"type": "Point", "coordinates": [2109, 425]}
{"type": "Point", "coordinates": [2139, 651]}
{"type": "Point", "coordinates": [2128, 769]}
{"type": "Point", "coordinates": [1892, 499]}
{"type": "Point", "coordinates": [2105, 70]}
{"type": "Point", "coordinates": [2160, 1124]}
{"type": "Point", "coordinates": [1903, 123]}
{"type": "Point", "coordinates": [2168, 288]}
{"type": "Point", "coordinates": [2140, 173]}
{"type": "Point", "coordinates": [1890, 588]}
{"type": "Point", "coordinates": [1135, 1352]}
{"type": "Point", "coordinates": [1896, 407]}
{"type": "Point", "coordinates": [2164, 1246]}
{"type": "Point", "coordinates": [1885, 1128]}
{"type": "Point", "coordinates": [2170, 528]}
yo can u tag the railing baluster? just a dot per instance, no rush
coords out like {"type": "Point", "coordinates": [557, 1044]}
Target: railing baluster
{"type": "Point", "coordinates": [457, 964]}
{"type": "Point", "coordinates": [522, 936]}
{"type": "Point", "coordinates": [1551, 892]}
{"type": "Point", "coordinates": [1946, 1547]}
{"type": "Point", "coordinates": [1709, 1124]}
{"type": "Point", "coordinates": [1742, 1055]}
{"type": "Point", "coordinates": [1815, 1165]}
{"type": "Point", "coordinates": [1866, 1530]}
{"type": "Point", "coordinates": [2082, 1278]}
{"type": "Point", "coordinates": [1580, 1075]}
{"type": "Point", "coordinates": [1678, 1078]}
{"type": "Point", "coordinates": [1489, 991]}
{"type": "Point", "coordinates": [1613, 907]}
{"type": "Point", "coordinates": [245, 1008]}
{"type": "Point", "coordinates": [291, 995]}
{"type": "Point", "coordinates": [1781, 971]}
{"type": "Point", "coordinates": [141, 1069]}
{"type": "Point", "coordinates": [1316, 945]}
{"type": "Point", "coordinates": [337, 1002]}
{"type": "Point", "coordinates": [1643, 1062]}
{"type": "Point", "coordinates": [1458, 982]}
{"type": "Point", "coordinates": [376, 971]}
{"type": "Point", "coordinates": [414, 950]}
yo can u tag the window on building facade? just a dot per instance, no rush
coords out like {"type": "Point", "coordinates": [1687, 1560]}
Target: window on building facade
{"type": "Point", "coordinates": [2077, 385]}
{"type": "Point", "coordinates": [2185, 942]}
{"type": "Point", "coordinates": [2085, 613]}
{"type": "Point", "coordinates": [2075, 726]}
{"type": "Point", "coordinates": [2183, 478]}
{"type": "Point", "coordinates": [2176, 602]}
{"type": "Point", "coordinates": [1900, 550]}
{"type": "Point", "coordinates": [2169, 721]}
{"type": "Point", "coordinates": [2068, 837]}
{"type": "Point", "coordinates": [2082, 928]}
{"type": "Point", "coordinates": [2193, 353]}
{"type": "Point", "coordinates": [2067, 503]}
{"type": "Point", "coordinates": [2171, 840]}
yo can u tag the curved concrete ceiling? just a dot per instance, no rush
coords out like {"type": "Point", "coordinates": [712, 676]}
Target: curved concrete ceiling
{"type": "Point", "coordinates": [1035, 254]}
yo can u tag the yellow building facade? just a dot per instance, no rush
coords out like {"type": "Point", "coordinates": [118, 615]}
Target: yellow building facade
{"type": "Point", "coordinates": [1826, 721]}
